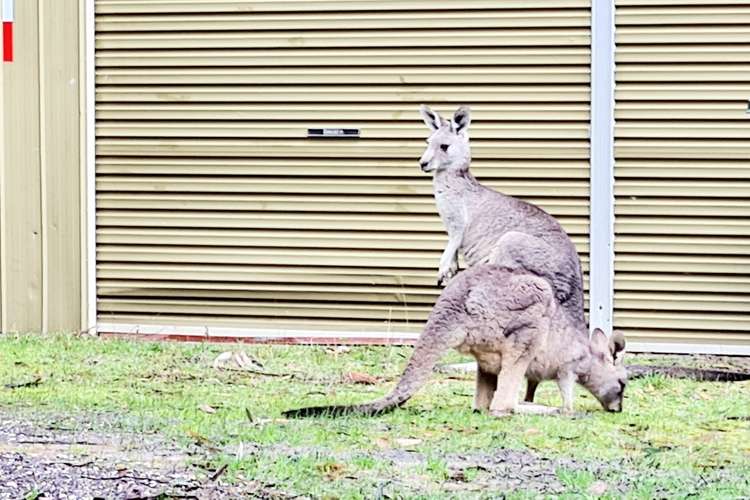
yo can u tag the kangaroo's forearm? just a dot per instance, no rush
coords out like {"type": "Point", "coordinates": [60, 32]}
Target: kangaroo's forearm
{"type": "Point", "coordinates": [450, 254]}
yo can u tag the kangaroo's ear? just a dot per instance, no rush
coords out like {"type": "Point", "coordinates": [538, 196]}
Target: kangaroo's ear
{"type": "Point", "coordinates": [599, 340]}
{"type": "Point", "coordinates": [461, 119]}
{"type": "Point", "coordinates": [430, 117]}
{"type": "Point", "coordinates": [617, 343]}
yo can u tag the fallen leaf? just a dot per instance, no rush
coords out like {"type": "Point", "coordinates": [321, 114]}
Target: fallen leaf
{"type": "Point", "coordinates": [598, 488]}
{"type": "Point", "coordinates": [458, 475]}
{"type": "Point", "coordinates": [222, 359]}
{"type": "Point", "coordinates": [264, 421]}
{"type": "Point", "coordinates": [360, 378]}
{"type": "Point", "coordinates": [532, 431]}
{"type": "Point", "coordinates": [383, 443]}
{"type": "Point", "coordinates": [246, 362]}
{"type": "Point", "coordinates": [207, 409]}
{"type": "Point", "coordinates": [331, 470]}
{"type": "Point", "coordinates": [339, 349]}
{"type": "Point", "coordinates": [405, 442]}
{"type": "Point", "coordinates": [199, 438]}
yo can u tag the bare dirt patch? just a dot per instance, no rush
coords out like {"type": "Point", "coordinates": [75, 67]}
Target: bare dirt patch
{"type": "Point", "coordinates": [58, 458]}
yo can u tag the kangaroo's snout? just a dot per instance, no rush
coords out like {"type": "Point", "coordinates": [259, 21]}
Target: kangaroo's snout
{"type": "Point", "coordinates": [615, 407]}
{"type": "Point", "coordinates": [424, 165]}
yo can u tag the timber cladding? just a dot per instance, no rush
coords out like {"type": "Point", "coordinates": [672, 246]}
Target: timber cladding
{"type": "Point", "coordinates": [682, 171]}
{"type": "Point", "coordinates": [40, 171]}
{"type": "Point", "coordinates": [214, 208]}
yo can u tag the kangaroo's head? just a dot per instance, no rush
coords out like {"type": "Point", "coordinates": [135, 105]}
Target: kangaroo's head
{"type": "Point", "coordinates": [605, 375]}
{"type": "Point", "coordinates": [448, 143]}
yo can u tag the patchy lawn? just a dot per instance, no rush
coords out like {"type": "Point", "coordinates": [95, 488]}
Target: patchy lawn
{"type": "Point", "coordinates": [162, 411]}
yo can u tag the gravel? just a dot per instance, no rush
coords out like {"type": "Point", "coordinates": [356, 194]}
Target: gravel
{"type": "Point", "coordinates": [43, 459]}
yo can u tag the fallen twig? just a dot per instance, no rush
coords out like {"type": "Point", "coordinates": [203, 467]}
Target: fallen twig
{"type": "Point", "coordinates": [699, 374]}
{"type": "Point", "coordinates": [56, 441]}
{"type": "Point", "coordinates": [84, 464]}
{"type": "Point", "coordinates": [129, 476]}
{"type": "Point", "coordinates": [30, 383]}
{"type": "Point", "coordinates": [218, 473]}
{"type": "Point", "coordinates": [258, 372]}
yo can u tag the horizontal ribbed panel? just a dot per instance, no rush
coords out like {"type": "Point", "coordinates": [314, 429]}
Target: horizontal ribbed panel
{"type": "Point", "coordinates": [699, 14]}
{"type": "Point", "coordinates": [683, 53]}
{"type": "Point", "coordinates": [682, 176]}
{"type": "Point", "coordinates": [349, 93]}
{"type": "Point", "coordinates": [269, 220]}
{"type": "Point", "coordinates": [214, 208]}
{"type": "Point", "coordinates": [367, 57]}
{"type": "Point", "coordinates": [305, 203]}
{"type": "Point", "coordinates": [345, 20]}
{"type": "Point", "coordinates": [244, 6]}
{"type": "Point", "coordinates": [365, 38]}
{"type": "Point", "coordinates": [284, 185]}
{"type": "Point", "coordinates": [371, 130]}
{"type": "Point", "coordinates": [332, 167]}
{"type": "Point", "coordinates": [395, 114]}
{"type": "Point", "coordinates": [352, 75]}
{"type": "Point", "coordinates": [303, 148]}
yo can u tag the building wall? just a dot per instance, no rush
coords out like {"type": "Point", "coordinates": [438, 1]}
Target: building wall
{"type": "Point", "coordinates": [215, 208]}
{"type": "Point", "coordinates": [682, 148]}
{"type": "Point", "coordinates": [40, 171]}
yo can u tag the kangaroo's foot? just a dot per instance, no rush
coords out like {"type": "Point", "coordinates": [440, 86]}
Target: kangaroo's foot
{"type": "Point", "coordinates": [446, 271]}
{"type": "Point", "coordinates": [444, 277]}
{"type": "Point", "coordinates": [501, 413]}
{"type": "Point", "coordinates": [536, 409]}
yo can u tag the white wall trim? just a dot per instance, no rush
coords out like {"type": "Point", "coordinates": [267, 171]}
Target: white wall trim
{"type": "Point", "coordinates": [162, 332]}
{"type": "Point", "coordinates": [90, 169]}
{"type": "Point", "coordinates": [601, 243]}
{"type": "Point", "coordinates": [689, 348]}
{"type": "Point", "coordinates": [255, 333]}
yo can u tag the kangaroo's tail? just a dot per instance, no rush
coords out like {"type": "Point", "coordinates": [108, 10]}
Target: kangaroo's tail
{"type": "Point", "coordinates": [441, 333]}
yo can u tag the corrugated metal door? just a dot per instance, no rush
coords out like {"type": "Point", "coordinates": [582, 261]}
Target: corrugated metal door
{"type": "Point", "coordinates": [215, 209]}
{"type": "Point", "coordinates": [682, 171]}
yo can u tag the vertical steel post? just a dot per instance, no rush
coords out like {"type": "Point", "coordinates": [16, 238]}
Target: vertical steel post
{"type": "Point", "coordinates": [89, 226]}
{"type": "Point", "coordinates": [601, 233]}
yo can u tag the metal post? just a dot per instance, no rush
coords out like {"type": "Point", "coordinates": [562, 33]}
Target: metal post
{"type": "Point", "coordinates": [89, 313]}
{"type": "Point", "coordinates": [601, 242]}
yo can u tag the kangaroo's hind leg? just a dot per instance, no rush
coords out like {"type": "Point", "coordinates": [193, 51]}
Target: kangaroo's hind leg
{"type": "Point", "coordinates": [509, 382]}
{"type": "Point", "coordinates": [485, 390]}
{"type": "Point", "coordinates": [522, 339]}
{"type": "Point", "coordinates": [516, 250]}
{"type": "Point", "coordinates": [531, 386]}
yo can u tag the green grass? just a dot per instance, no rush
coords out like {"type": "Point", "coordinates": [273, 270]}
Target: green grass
{"type": "Point", "coordinates": [673, 438]}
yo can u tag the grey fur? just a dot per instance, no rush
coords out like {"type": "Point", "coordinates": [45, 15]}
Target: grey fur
{"type": "Point", "coordinates": [488, 226]}
{"type": "Point", "coordinates": [512, 323]}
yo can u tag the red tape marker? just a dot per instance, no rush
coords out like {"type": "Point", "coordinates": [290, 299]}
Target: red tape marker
{"type": "Point", "coordinates": [7, 41]}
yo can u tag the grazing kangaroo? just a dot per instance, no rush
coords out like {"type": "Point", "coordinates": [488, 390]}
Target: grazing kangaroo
{"type": "Point", "coordinates": [511, 322]}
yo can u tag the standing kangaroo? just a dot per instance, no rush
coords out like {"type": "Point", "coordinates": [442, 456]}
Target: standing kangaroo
{"type": "Point", "coordinates": [488, 226]}
{"type": "Point", "coordinates": [512, 323]}
{"type": "Point", "coordinates": [483, 223]}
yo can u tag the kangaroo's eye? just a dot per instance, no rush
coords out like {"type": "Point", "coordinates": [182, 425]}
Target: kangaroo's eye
{"type": "Point", "coordinates": [444, 147]}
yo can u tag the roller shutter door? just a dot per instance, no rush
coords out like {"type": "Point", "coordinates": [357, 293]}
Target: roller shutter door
{"type": "Point", "coordinates": [214, 209]}
{"type": "Point", "coordinates": [682, 172]}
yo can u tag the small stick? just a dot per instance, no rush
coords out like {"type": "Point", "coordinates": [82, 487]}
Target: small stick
{"type": "Point", "coordinates": [30, 383]}
{"type": "Point", "coordinates": [218, 473]}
